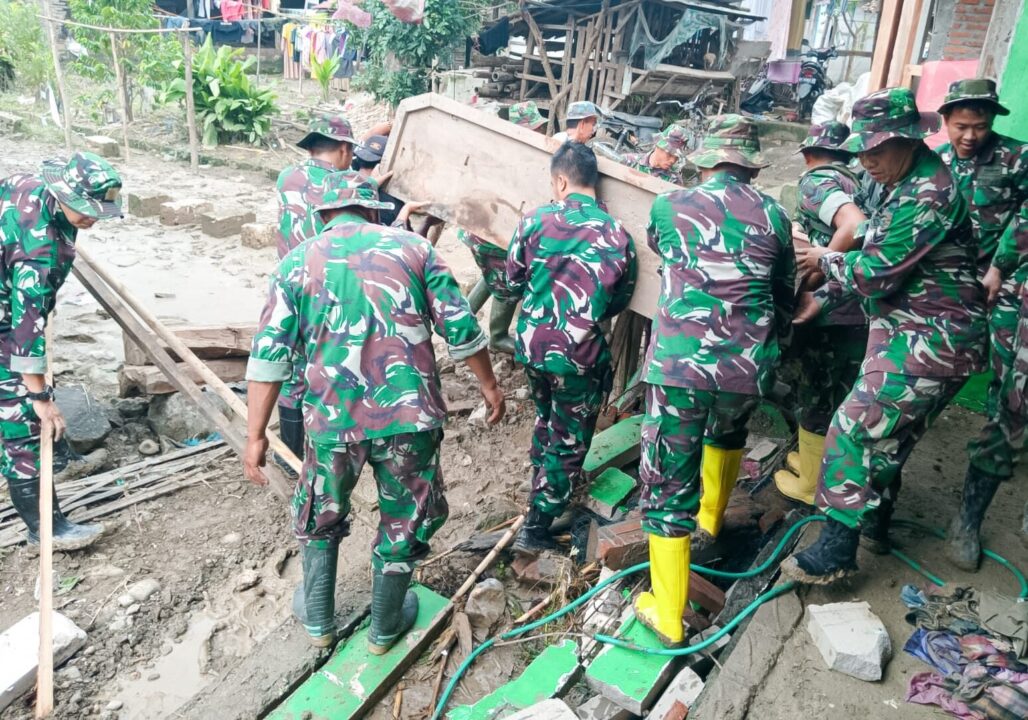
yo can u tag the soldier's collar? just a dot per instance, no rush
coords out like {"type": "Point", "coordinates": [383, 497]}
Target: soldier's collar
{"type": "Point", "coordinates": [345, 217]}
{"type": "Point", "coordinates": [988, 151]}
{"type": "Point", "coordinates": [581, 198]}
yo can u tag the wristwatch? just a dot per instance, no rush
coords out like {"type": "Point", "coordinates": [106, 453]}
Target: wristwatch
{"type": "Point", "coordinates": [46, 394]}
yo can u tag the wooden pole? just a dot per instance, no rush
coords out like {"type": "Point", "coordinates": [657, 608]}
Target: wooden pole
{"type": "Point", "coordinates": [888, 22]}
{"type": "Point", "coordinates": [119, 77]}
{"type": "Point", "coordinates": [58, 77]}
{"type": "Point", "coordinates": [45, 675]}
{"type": "Point", "coordinates": [260, 17]}
{"type": "Point", "coordinates": [187, 54]}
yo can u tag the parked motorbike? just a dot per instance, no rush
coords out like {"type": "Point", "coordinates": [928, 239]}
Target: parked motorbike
{"type": "Point", "coordinates": [788, 83]}
{"type": "Point", "coordinates": [813, 79]}
{"type": "Point", "coordinates": [627, 132]}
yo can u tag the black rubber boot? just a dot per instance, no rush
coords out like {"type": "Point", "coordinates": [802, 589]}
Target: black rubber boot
{"type": "Point", "coordinates": [394, 609]}
{"type": "Point", "coordinates": [293, 434]}
{"type": "Point", "coordinates": [478, 296]}
{"type": "Point", "coordinates": [500, 316]}
{"type": "Point", "coordinates": [314, 602]}
{"type": "Point", "coordinates": [874, 533]}
{"type": "Point", "coordinates": [534, 536]}
{"type": "Point", "coordinates": [964, 545]}
{"type": "Point", "coordinates": [832, 558]}
{"type": "Point", "coordinates": [68, 536]}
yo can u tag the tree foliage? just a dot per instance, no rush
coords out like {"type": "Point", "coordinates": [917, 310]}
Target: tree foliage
{"type": "Point", "coordinates": [22, 44]}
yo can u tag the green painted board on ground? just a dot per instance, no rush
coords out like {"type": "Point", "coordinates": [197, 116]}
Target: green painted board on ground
{"type": "Point", "coordinates": [974, 393]}
{"type": "Point", "coordinates": [341, 686]}
{"type": "Point", "coordinates": [629, 678]}
{"type": "Point", "coordinates": [617, 445]}
{"type": "Point", "coordinates": [611, 487]}
{"type": "Point", "coordinates": [550, 673]}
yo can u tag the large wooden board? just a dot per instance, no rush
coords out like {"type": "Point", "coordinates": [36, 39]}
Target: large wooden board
{"type": "Point", "coordinates": [483, 173]}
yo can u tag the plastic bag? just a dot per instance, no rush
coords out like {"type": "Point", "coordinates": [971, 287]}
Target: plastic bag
{"type": "Point", "coordinates": [830, 104]}
{"type": "Point", "coordinates": [349, 12]}
{"type": "Point", "coordinates": [408, 11]}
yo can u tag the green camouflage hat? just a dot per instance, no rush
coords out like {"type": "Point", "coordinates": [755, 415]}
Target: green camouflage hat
{"type": "Point", "coordinates": [346, 188]}
{"type": "Point", "coordinates": [87, 184]}
{"type": "Point", "coordinates": [674, 141]}
{"type": "Point", "coordinates": [730, 139]}
{"type": "Point", "coordinates": [333, 127]}
{"type": "Point", "coordinates": [827, 136]}
{"type": "Point", "coordinates": [975, 89]}
{"type": "Point", "coordinates": [887, 114]}
{"type": "Point", "coordinates": [526, 114]}
{"type": "Point", "coordinates": [582, 110]}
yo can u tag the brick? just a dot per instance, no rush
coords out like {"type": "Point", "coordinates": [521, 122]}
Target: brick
{"type": "Point", "coordinates": [619, 545]}
{"type": "Point", "coordinates": [146, 205]}
{"type": "Point", "coordinates": [258, 235]}
{"type": "Point", "coordinates": [630, 679]}
{"type": "Point", "coordinates": [184, 212]}
{"type": "Point", "coordinates": [680, 695]}
{"type": "Point", "coordinates": [546, 570]}
{"type": "Point", "coordinates": [600, 708]}
{"type": "Point", "coordinates": [706, 594]}
{"type": "Point", "coordinates": [103, 146]}
{"type": "Point", "coordinates": [19, 647]}
{"type": "Point", "coordinates": [546, 710]}
{"type": "Point", "coordinates": [220, 223]}
{"type": "Point", "coordinates": [608, 493]}
{"type": "Point", "coordinates": [851, 639]}
{"type": "Point", "coordinates": [616, 446]}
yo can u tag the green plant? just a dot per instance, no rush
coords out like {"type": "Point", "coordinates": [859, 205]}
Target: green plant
{"type": "Point", "coordinates": [22, 46]}
{"type": "Point", "coordinates": [229, 107]}
{"type": "Point", "coordinates": [323, 72]}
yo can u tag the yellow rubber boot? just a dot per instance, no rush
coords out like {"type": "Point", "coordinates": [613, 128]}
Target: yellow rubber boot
{"type": "Point", "coordinates": [661, 610]}
{"type": "Point", "coordinates": [802, 487]}
{"type": "Point", "coordinates": [719, 471]}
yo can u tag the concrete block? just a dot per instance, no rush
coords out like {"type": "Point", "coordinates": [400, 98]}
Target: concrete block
{"type": "Point", "coordinates": [680, 695]}
{"type": "Point", "coordinates": [600, 708]}
{"type": "Point", "coordinates": [19, 648]}
{"type": "Point", "coordinates": [546, 710]}
{"type": "Point", "coordinates": [258, 235]}
{"type": "Point", "coordinates": [220, 223]}
{"type": "Point", "coordinates": [630, 679]}
{"type": "Point", "coordinates": [619, 545]}
{"type": "Point", "coordinates": [103, 146]}
{"type": "Point", "coordinates": [851, 638]}
{"type": "Point", "coordinates": [608, 493]}
{"type": "Point", "coordinates": [146, 205]}
{"type": "Point", "coordinates": [616, 446]}
{"type": "Point", "coordinates": [184, 212]}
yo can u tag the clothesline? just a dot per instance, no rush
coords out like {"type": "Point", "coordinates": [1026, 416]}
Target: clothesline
{"type": "Point", "coordinates": [125, 31]}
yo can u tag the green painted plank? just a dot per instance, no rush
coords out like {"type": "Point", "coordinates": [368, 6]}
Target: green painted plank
{"type": "Point", "coordinates": [609, 491]}
{"type": "Point", "coordinates": [353, 677]}
{"type": "Point", "coordinates": [630, 679]}
{"type": "Point", "coordinates": [550, 673]}
{"type": "Point", "coordinates": [616, 446]}
{"type": "Point", "coordinates": [974, 393]}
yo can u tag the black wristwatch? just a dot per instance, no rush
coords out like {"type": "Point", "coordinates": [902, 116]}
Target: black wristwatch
{"type": "Point", "coordinates": [46, 394]}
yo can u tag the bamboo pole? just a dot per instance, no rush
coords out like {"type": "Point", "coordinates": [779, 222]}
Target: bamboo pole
{"type": "Point", "coordinates": [187, 53]}
{"type": "Point", "coordinates": [45, 674]}
{"type": "Point", "coordinates": [119, 77]}
{"type": "Point", "coordinates": [58, 77]}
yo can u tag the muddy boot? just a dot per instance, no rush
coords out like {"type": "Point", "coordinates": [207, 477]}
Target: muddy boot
{"type": "Point", "coordinates": [964, 546]}
{"type": "Point", "coordinates": [478, 296]}
{"type": "Point", "coordinates": [67, 535]}
{"type": "Point", "coordinates": [80, 466]}
{"type": "Point", "coordinates": [874, 532]}
{"type": "Point", "coordinates": [831, 558]}
{"type": "Point", "coordinates": [534, 536]}
{"type": "Point", "coordinates": [500, 316]}
{"type": "Point", "coordinates": [314, 602]}
{"type": "Point", "coordinates": [394, 609]}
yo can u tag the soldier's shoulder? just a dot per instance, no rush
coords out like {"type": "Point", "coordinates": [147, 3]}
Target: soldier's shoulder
{"type": "Point", "coordinates": [289, 173]}
{"type": "Point", "coordinates": [945, 151]}
{"type": "Point", "coordinates": [1012, 150]}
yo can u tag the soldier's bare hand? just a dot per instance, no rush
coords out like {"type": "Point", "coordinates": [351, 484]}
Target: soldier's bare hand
{"type": "Point", "coordinates": [412, 208]}
{"type": "Point", "coordinates": [992, 282]}
{"type": "Point", "coordinates": [493, 397]}
{"type": "Point", "coordinates": [807, 256]}
{"type": "Point", "coordinates": [254, 459]}
{"type": "Point", "coordinates": [813, 281]}
{"type": "Point", "coordinates": [50, 417]}
{"type": "Point", "coordinates": [806, 308]}
{"type": "Point", "coordinates": [798, 236]}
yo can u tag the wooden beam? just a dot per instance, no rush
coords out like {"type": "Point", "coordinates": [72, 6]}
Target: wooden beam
{"type": "Point", "coordinates": [45, 661]}
{"type": "Point", "coordinates": [906, 41]}
{"type": "Point", "coordinates": [209, 342]}
{"type": "Point", "coordinates": [550, 78]}
{"type": "Point", "coordinates": [888, 22]}
{"type": "Point", "coordinates": [151, 380]}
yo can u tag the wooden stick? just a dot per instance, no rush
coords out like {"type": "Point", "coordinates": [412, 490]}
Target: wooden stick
{"type": "Point", "coordinates": [187, 54]}
{"type": "Point", "coordinates": [58, 77]}
{"type": "Point", "coordinates": [488, 559]}
{"type": "Point", "coordinates": [45, 674]}
{"type": "Point", "coordinates": [119, 78]}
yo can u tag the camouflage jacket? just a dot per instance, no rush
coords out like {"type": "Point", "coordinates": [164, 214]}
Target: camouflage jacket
{"type": "Point", "coordinates": [727, 287]}
{"type": "Point", "coordinates": [822, 191]}
{"type": "Point", "coordinates": [573, 266]}
{"type": "Point", "coordinates": [917, 274]}
{"type": "Point", "coordinates": [491, 260]}
{"type": "Point", "coordinates": [995, 185]}
{"type": "Point", "coordinates": [37, 249]}
{"type": "Point", "coordinates": [641, 162]}
{"type": "Point", "coordinates": [360, 302]}
{"type": "Point", "coordinates": [300, 188]}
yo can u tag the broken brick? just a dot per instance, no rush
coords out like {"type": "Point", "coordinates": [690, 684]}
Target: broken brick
{"type": "Point", "coordinates": [545, 569]}
{"type": "Point", "coordinates": [220, 223]}
{"type": "Point", "coordinates": [184, 212]}
{"type": "Point", "coordinates": [706, 594]}
{"type": "Point", "coordinates": [147, 205]}
{"type": "Point", "coordinates": [619, 545]}
{"type": "Point", "coordinates": [103, 146]}
{"type": "Point", "coordinates": [258, 235]}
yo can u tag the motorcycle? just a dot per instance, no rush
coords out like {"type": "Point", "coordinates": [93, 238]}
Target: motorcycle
{"type": "Point", "coordinates": [628, 133]}
{"type": "Point", "coordinates": [813, 79]}
{"type": "Point", "coordinates": [786, 82]}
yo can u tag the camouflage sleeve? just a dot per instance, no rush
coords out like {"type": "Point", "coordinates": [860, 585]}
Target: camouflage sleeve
{"type": "Point", "coordinates": [783, 281]}
{"type": "Point", "coordinates": [517, 263]}
{"type": "Point", "coordinates": [451, 314]}
{"type": "Point", "coordinates": [278, 332]}
{"type": "Point", "coordinates": [1012, 252]}
{"type": "Point", "coordinates": [32, 295]}
{"type": "Point", "coordinates": [625, 287]}
{"type": "Point", "coordinates": [662, 224]}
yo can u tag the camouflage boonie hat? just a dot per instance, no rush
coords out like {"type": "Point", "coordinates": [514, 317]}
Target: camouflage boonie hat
{"type": "Point", "coordinates": [887, 114]}
{"type": "Point", "coordinates": [730, 139]}
{"type": "Point", "coordinates": [87, 184]}
{"type": "Point", "coordinates": [976, 89]}
{"type": "Point", "coordinates": [674, 141]}
{"type": "Point", "coordinates": [373, 149]}
{"type": "Point", "coordinates": [333, 127]}
{"type": "Point", "coordinates": [828, 136]}
{"type": "Point", "coordinates": [344, 189]}
{"type": "Point", "coordinates": [582, 110]}
{"type": "Point", "coordinates": [526, 114]}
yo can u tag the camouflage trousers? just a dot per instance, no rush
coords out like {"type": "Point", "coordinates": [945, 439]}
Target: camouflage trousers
{"type": "Point", "coordinates": [19, 429]}
{"type": "Point", "coordinates": [871, 437]}
{"type": "Point", "coordinates": [492, 261]}
{"type": "Point", "coordinates": [412, 504]}
{"type": "Point", "coordinates": [1001, 441]}
{"type": "Point", "coordinates": [677, 424]}
{"type": "Point", "coordinates": [566, 409]}
{"type": "Point", "coordinates": [821, 366]}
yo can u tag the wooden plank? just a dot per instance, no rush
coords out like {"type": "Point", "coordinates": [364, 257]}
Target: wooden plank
{"type": "Point", "coordinates": [616, 446]}
{"type": "Point", "coordinates": [906, 40]}
{"type": "Point", "coordinates": [550, 79]}
{"type": "Point", "coordinates": [209, 342]}
{"type": "Point", "coordinates": [437, 144]}
{"type": "Point", "coordinates": [888, 21]}
{"type": "Point", "coordinates": [151, 380]}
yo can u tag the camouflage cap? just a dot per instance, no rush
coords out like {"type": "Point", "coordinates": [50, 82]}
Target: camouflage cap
{"type": "Point", "coordinates": [333, 127]}
{"type": "Point", "coordinates": [827, 136]}
{"type": "Point", "coordinates": [730, 139]}
{"type": "Point", "coordinates": [346, 188]}
{"type": "Point", "coordinates": [373, 149]}
{"type": "Point", "coordinates": [673, 140]}
{"type": "Point", "coordinates": [887, 114]}
{"type": "Point", "coordinates": [582, 110]}
{"type": "Point", "coordinates": [975, 89]}
{"type": "Point", "coordinates": [526, 114]}
{"type": "Point", "coordinates": [87, 184]}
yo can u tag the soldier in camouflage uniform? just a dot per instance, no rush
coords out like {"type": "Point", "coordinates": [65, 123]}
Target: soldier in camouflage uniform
{"type": "Point", "coordinates": [726, 298]}
{"type": "Point", "coordinates": [573, 266]}
{"type": "Point", "coordinates": [579, 123]}
{"type": "Point", "coordinates": [917, 274]}
{"type": "Point", "coordinates": [666, 154]}
{"type": "Point", "coordinates": [40, 216]}
{"type": "Point", "coordinates": [824, 356]}
{"type": "Point", "coordinates": [992, 172]}
{"type": "Point", "coordinates": [355, 308]}
{"type": "Point", "coordinates": [491, 259]}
